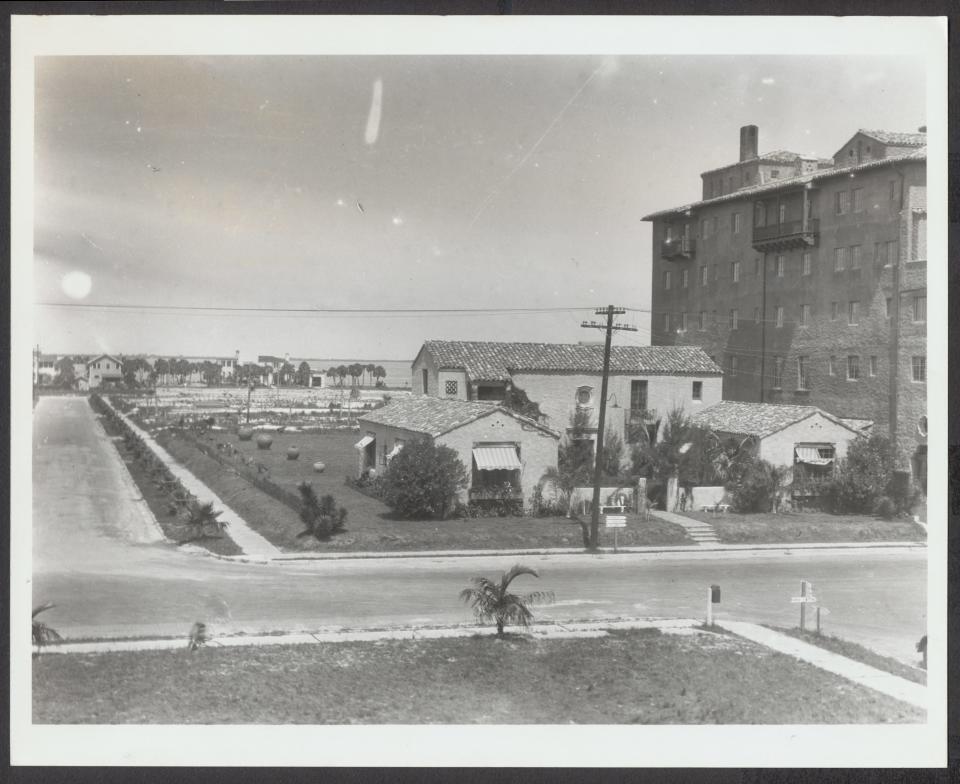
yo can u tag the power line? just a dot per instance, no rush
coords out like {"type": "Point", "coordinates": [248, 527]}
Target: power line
{"type": "Point", "coordinates": [261, 309]}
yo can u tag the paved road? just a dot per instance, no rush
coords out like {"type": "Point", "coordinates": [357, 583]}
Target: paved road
{"type": "Point", "coordinates": [109, 576]}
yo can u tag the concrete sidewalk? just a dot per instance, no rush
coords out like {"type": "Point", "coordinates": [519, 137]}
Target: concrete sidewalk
{"type": "Point", "coordinates": [863, 674]}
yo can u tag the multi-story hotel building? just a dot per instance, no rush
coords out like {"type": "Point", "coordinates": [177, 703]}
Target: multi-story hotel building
{"type": "Point", "coordinates": [805, 279]}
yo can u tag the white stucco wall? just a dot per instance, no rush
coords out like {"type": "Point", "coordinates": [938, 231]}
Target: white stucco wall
{"type": "Point", "coordinates": [817, 429]}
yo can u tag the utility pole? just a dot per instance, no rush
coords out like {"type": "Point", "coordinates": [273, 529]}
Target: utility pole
{"type": "Point", "coordinates": [610, 311]}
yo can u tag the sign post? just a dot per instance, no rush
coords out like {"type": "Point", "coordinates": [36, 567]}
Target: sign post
{"type": "Point", "coordinates": [806, 597]}
{"type": "Point", "coordinates": [713, 597]}
{"type": "Point", "coordinates": [614, 521]}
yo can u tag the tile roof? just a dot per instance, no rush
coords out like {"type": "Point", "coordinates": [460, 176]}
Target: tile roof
{"type": "Point", "coordinates": [435, 416]}
{"type": "Point", "coordinates": [920, 154]}
{"type": "Point", "coordinates": [490, 361]}
{"type": "Point", "coordinates": [777, 156]}
{"type": "Point", "coordinates": [756, 419]}
{"type": "Point", "coordinates": [896, 139]}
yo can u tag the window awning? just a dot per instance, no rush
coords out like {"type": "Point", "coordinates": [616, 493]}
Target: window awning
{"type": "Point", "coordinates": [814, 455]}
{"type": "Point", "coordinates": [364, 442]}
{"type": "Point", "coordinates": [496, 458]}
{"type": "Point", "coordinates": [395, 451]}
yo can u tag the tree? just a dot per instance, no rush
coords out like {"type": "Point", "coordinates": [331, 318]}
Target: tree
{"type": "Point", "coordinates": [303, 374]}
{"type": "Point", "coordinates": [370, 368]}
{"type": "Point", "coordinates": [65, 376]}
{"type": "Point", "coordinates": [43, 634]}
{"type": "Point", "coordinates": [342, 373]}
{"type": "Point", "coordinates": [516, 400]}
{"type": "Point", "coordinates": [863, 477]}
{"type": "Point", "coordinates": [756, 489]}
{"type": "Point", "coordinates": [574, 466]}
{"type": "Point", "coordinates": [355, 370]}
{"type": "Point", "coordinates": [286, 373]}
{"type": "Point", "coordinates": [493, 601]}
{"type": "Point", "coordinates": [379, 374]}
{"type": "Point", "coordinates": [424, 480]}
{"type": "Point", "coordinates": [162, 368]}
{"type": "Point", "coordinates": [211, 373]}
{"type": "Point", "coordinates": [331, 373]}
{"type": "Point", "coordinates": [320, 515]}
{"type": "Point", "coordinates": [199, 516]}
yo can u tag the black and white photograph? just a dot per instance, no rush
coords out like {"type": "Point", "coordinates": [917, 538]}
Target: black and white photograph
{"type": "Point", "coordinates": [478, 391]}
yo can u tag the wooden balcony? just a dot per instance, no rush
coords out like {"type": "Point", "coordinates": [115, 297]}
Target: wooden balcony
{"type": "Point", "coordinates": [786, 235]}
{"type": "Point", "coordinates": [678, 248]}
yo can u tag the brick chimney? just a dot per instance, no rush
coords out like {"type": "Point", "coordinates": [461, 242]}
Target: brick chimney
{"type": "Point", "coordinates": [748, 142]}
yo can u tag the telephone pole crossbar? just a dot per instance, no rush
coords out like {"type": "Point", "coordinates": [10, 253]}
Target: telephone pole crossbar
{"type": "Point", "coordinates": [610, 311]}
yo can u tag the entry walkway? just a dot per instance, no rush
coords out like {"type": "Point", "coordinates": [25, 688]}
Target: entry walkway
{"type": "Point", "coordinates": [863, 674]}
{"type": "Point", "coordinates": [702, 533]}
{"type": "Point", "coordinates": [253, 545]}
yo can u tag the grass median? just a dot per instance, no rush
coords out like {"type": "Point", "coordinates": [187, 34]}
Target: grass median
{"type": "Point", "coordinates": [642, 677]}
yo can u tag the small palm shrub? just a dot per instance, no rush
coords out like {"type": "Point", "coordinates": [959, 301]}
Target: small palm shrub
{"type": "Point", "coordinates": [756, 489]}
{"type": "Point", "coordinates": [321, 516]}
{"type": "Point", "coordinates": [492, 601]}
{"type": "Point", "coordinates": [43, 634]}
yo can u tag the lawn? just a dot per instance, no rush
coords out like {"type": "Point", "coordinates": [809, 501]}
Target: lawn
{"type": "Point", "coordinates": [857, 652]}
{"type": "Point", "coordinates": [370, 525]}
{"type": "Point", "coordinates": [790, 527]}
{"type": "Point", "coordinates": [642, 677]}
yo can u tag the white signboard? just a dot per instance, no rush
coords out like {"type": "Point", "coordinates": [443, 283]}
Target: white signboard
{"type": "Point", "coordinates": [616, 521]}
{"type": "Point", "coordinates": [803, 599]}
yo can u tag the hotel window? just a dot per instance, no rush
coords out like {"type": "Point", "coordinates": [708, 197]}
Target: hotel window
{"type": "Point", "coordinates": [777, 372]}
{"type": "Point", "coordinates": [834, 311]}
{"type": "Point", "coordinates": [858, 199]}
{"type": "Point", "coordinates": [918, 237]}
{"type": "Point", "coordinates": [853, 368]}
{"type": "Point", "coordinates": [735, 221]}
{"type": "Point", "coordinates": [779, 315]}
{"type": "Point", "coordinates": [666, 280]}
{"type": "Point", "coordinates": [853, 313]}
{"type": "Point", "coordinates": [842, 202]}
{"type": "Point", "coordinates": [701, 320]}
{"type": "Point", "coordinates": [919, 364]}
{"type": "Point", "coordinates": [450, 387]}
{"type": "Point", "coordinates": [756, 315]}
{"type": "Point", "coordinates": [684, 278]}
{"type": "Point", "coordinates": [802, 378]}
{"type": "Point", "coordinates": [893, 190]}
{"type": "Point", "coordinates": [760, 215]}
{"type": "Point", "coordinates": [704, 228]}
{"type": "Point", "coordinates": [716, 223]}
{"type": "Point", "coordinates": [920, 308]}
{"type": "Point", "coordinates": [804, 315]}
{"type": "Point", "coordinates": [735, 271]}
{"type": "Point", "coordinates": [734, 318]}
{"type": "Point", "coordinates": [782, 213]}
{"type": "Point", "coordinates": [889, 305]}
{"type": "Point", "coordinates": [806, 265]}
{"type": "Point", "coordinates": [832, 366]}
{"type": "Point", "coordinates": [893, 253]}
{"type": "Point", "coordinates": [839, 259]}
{"type": "Point", "coordinates": [698, 390]}
{"type": "Point", "coordinates": [756, 266]}
{"type": "Point", "coordinates": [873, 365]}
{"type": "Point", "coordinates": [781, 265]}
{"type": "Point", "coordinates": [733, 365]}
{"type": "Point", "coordinates": [666, 322]}
{"type": "Point", "coordinates": [703, 275]}
{"type": "Point", "coordinates": [683, 321]}
{"type": "Point", "coordinates": [855, 256]}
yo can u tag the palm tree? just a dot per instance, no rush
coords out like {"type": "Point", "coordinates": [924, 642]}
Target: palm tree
{"type": "Point", "coordinates": [43, 634]}
{"type": "Point", "coordinates": [331, 373]}
{"type": "Point", "coordinates": [370, 368]}
{"type": "Point", "coordinates": [492, 601]}
{"type": "Point", "coordinates": [303, 374]}
{"type": "Point", "coordinates": [342, 373]}
{"type": "Point", "coordinates": [198, 636]}
{"type": "Point", "coordinates": [202, 515]}
{"type": "Point", "coordinates": [379, 373]}
{"type": "Point", "coordinates": [355, 370]}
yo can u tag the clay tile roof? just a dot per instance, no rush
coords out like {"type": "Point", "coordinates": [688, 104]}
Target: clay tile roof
{"type": "Point", "coordinates": [489, 361]}
{"type": "Point", "coordinates": [755, 419]}
{"type": "Point", "coordinates": [897, 139]}
{"type": "Point", "coordinates": [435, 416]}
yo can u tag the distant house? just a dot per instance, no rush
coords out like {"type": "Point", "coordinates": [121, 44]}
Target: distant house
{"type": "Point", "coordinates": [104, 370]}
{"type": "Point", "coordinates": [645, 384]}
{"type": "Point", "coordinates": [498, 446]}
{"type": "Point", "coordinates": [804, 439]}
{"type": "Point", "coordinates": [46, 368]}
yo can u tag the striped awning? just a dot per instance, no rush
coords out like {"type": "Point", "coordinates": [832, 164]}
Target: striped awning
{"type": "Point", "coordinates": [814, 455]}
{"type": "Point", "coordinates": [364, 442]}
{"type": "Point", "coordinates": [496, 458]}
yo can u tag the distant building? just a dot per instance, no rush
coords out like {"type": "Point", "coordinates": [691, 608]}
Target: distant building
{"type": "Point", "coordinates": [646, 382]}
{"type": "Point", "coordinates": [498, 447]}
{"type": "Point", "coordinates": [46, 368]}
{"type": "Point", "coordinates": [805, 279]}
{"type": "Point", "coordinates": [104, 371]}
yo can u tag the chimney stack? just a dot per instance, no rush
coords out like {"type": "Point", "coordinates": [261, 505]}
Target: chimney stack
{"type": "Point", "coordinates": [748, 142]}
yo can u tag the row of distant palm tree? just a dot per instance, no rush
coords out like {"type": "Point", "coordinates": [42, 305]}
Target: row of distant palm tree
{"type": "Point", "coordinates": [356, 372]}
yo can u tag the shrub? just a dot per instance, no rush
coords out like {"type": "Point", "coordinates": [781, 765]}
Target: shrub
{"type": "Point", "coordinates": [321, 516]}
{"type": "Point", "coordinates": [756, 489]}
{"type": "Point", "coordinates": [886, 508]}
{"type": "Point", "coordinates": [423, 480]}
{"type": "Point", "coordinates": [864, 477]}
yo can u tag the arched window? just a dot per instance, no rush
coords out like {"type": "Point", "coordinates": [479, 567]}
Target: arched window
{"type": "Point", "coordinates": [922, 426]}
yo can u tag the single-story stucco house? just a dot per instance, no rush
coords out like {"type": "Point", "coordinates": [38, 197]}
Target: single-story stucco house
{"type": "Point", "coordinates": [497, 446]}
{"type": "Point", "coordinates": [804, 439]}
{"type": "Point", "coordinates": [104, 370]}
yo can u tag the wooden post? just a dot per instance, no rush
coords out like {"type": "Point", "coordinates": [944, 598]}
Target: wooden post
{"type": "Point", "coordinates": [615, 530]}
{"type": "Point", "coordinates": [709, 606]}
{"type": "Point", "coordinates": [803, 606]}
{"type": "Point", "coordinates": [818, 620]}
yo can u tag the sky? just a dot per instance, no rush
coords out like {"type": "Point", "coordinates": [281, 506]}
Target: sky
{"type": "Point", "coordinates": [379, 183]}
